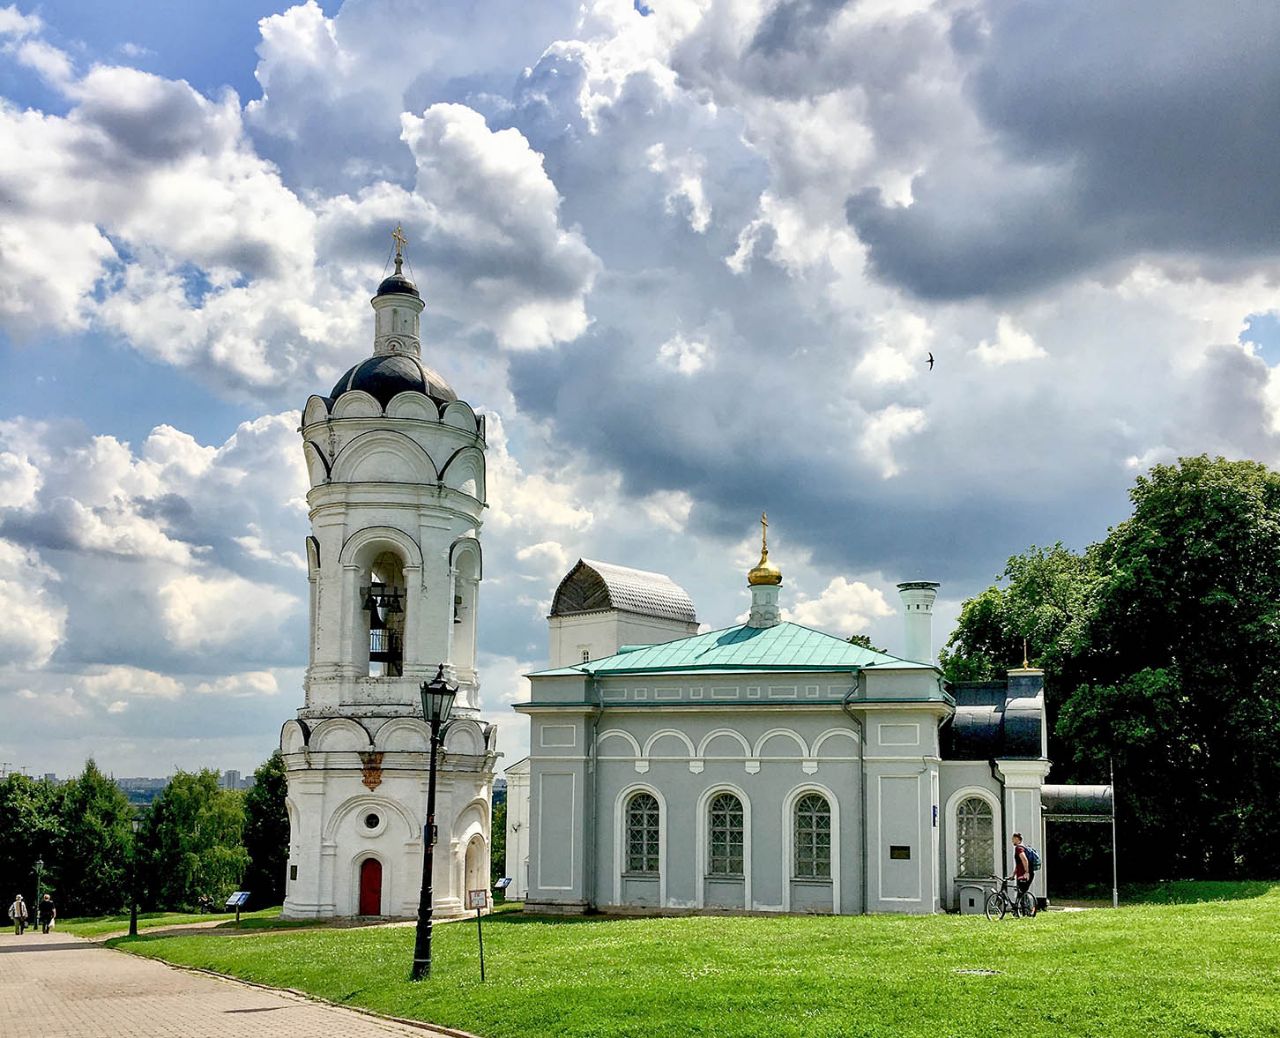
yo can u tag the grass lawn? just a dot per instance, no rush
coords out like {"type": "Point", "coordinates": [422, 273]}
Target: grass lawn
{"type": "Point", "coordinates": [1191, 966]}
{"type": "Point", "coordinates": [96, 926]}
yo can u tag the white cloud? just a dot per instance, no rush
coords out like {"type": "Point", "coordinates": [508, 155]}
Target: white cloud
{"type": "Point", "coordinates": [1010, 345]}
{"type": "Point", "coordinates": [211, 612]}
{"type": "Point", "coordinates": [843, 608]}
{"type": "Point", "coordinates": [529, 501]}
{"type": "Point", "coordinates": [14, 23]}
{"type": "Point", "coordinates": [685, 356]}
{"type": "Point", "coordinates": [883, 429]}
{"type": "Point", "coordinates": [246, 684]}
{"type": "Point", "coordinates": [32, 620]}
{"type": "Point", "coordinates": [683, 177]}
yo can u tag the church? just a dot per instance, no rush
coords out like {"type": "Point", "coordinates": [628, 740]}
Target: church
{"type": "Point", "coordinates": [397, 471]}
{"type": "Point", "coordinates": [763, 767]}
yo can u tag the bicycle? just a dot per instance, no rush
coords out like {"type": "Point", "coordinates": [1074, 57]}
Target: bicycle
{"type": "Point", "coordinates": [999, 902]}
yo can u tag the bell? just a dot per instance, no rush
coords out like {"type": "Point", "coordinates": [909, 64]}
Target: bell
{"type": "Point", "coordinates": [394, 606]}
{"type": "Point", "coordinates": [370, 603]}
{"type": "Point", "coordinates": [376, 623]}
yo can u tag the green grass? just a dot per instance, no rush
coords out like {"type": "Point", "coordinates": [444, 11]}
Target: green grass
{"type": "Point", "coordinates": [96, 926]}
{"type": "Point", "coordinates": [1199, 967]}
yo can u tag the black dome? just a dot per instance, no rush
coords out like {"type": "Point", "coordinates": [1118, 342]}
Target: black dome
{"type": "Point", "coordinates": [397, 284]}
{"type": "Point", "coordinates": [382, 377]}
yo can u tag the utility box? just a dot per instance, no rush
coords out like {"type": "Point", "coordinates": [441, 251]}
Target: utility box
{"type": "Point", "coordinates": [972, 898]}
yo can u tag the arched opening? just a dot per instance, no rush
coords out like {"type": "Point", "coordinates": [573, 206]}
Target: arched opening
{"type": "Point", "coordinates": [975, 838]}
{"type": "Point", "coordinates": [476, 868]}
{"type": "Point", "coordinates": [370, 887]}
{"type": "Point", "coordinates": [466, 586]}
{"type": "Point", "coordinates": [384, 601]}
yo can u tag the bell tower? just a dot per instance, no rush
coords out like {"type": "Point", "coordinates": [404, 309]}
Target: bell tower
{"type": "Point", "coordinates": [397, 471]}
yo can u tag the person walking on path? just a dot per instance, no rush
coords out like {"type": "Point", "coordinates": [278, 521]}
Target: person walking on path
{"type": "Point", "coordinates": [47, 913]}
{"type": "Point", "coordinates": [18, 913]}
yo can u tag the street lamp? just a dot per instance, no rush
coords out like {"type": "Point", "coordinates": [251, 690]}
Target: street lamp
{"type": "Point", "coordinates": [135, 823]}
{"type": "Point", "coordinates": [437, 703]}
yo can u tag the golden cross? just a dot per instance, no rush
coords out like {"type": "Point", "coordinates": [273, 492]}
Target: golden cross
{"type": "Point", "coordinates": [764, 531]}
{"type": "Point", "coordinates": [401, 241]}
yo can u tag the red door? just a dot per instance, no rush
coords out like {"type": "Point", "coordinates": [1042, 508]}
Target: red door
{"type": "Point", "coordinates": [371, 887]}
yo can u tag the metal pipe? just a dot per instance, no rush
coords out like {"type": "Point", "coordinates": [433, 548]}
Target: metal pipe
{"type": "Point", "coordinates": [862, 789]}
{"type": "Point", "coordinates": [1115, 871]}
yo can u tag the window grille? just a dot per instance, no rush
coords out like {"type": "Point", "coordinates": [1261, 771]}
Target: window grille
{"type": "Point", "coordinates": [813, 837]}
{"type": "Point", "coordinates": [975, 838]}
{"type": "Point", "coordinates": [725, 835]}
{"type": "Point", "coordinates": [643, 822]}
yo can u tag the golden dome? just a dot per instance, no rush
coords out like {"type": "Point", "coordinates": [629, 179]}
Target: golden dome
{"type": "Point", "coordinates": [765, 572]}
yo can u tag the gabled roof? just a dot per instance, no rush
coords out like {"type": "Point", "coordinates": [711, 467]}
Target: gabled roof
{"type": "Point", "coordinates": [592, 587]}
{"type": "Point", "coordinates": [785, 647]}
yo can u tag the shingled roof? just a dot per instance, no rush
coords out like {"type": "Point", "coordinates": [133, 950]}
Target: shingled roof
{"type": "Point", "coordinates": [592, 587]}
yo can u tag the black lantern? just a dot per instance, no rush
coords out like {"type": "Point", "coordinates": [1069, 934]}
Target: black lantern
{"type": "Point", "coordinates": [437, 699]}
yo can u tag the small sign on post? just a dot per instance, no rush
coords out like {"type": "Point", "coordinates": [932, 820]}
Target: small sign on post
{"type": "Point", "coordinates": [237, 901]}
{"type": "Point", "coordinates": [479, 900]}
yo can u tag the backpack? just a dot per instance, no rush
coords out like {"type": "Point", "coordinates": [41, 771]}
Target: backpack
{"type": "Point", "coordinates": [1033, 858]}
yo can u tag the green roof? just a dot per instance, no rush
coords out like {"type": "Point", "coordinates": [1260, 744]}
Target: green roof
{"type": "Point", "coordinates": [784, 647]}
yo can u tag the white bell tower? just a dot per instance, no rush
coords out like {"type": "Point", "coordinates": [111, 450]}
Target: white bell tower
{"type": "Point", "coordinates": [397, 469]}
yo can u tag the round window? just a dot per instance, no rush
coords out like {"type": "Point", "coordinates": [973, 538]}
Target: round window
{"type": "Point", "coordinates": [371, 821]}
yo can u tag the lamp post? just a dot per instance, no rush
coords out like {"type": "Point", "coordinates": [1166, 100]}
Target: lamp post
{"type": "Point", "coordinates": [135, 823]}
{"type": "Point", "coordinates": [39, 875]}
{"type": "Point", "coordinates": [437, 703]}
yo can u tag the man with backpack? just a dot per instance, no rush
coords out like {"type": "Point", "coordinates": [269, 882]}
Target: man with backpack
{"type": "Point", "coordinates": [1026, 862]}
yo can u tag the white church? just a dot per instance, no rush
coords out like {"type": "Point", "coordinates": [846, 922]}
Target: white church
{"type": "Point", "coordinates": [397, 471]}
{"type": "Point", "coordinates": [762, 767]}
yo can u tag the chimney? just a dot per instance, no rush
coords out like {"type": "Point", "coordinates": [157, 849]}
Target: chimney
{"type": "Point", "coordinates": [917, 610]}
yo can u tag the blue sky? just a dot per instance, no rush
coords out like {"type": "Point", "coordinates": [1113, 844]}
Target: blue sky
{"type": "Point", "coordinates": [690, 259]}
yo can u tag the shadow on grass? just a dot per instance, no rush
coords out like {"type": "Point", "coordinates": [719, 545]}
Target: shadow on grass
{"type": "Point", "coordinates": [1193, 892]}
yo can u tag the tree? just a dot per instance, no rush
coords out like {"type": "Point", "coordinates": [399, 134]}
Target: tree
{"type": "Point", "coordinates": [865, 641]}
{"type": "Point", "coordinates": [95, 845]}
{"type": "Point", "coordinates": [193, 837]}
{"type": "Point", "coordinates": [1161, 650]}
{"type": "Point", "coordinates": [498, 842]}
{"type": "Point", "coordinates": [30, 830]}
{"type": "Point", "coordinates": [266, 832]}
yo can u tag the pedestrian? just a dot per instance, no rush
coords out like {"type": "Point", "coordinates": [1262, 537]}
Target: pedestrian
{"type": "Point", "coordinates": [18, 913]}
{"type": "Point", "coordinates": [1022, 870]}
{"type": "Point", "coordinates": [47, 912]}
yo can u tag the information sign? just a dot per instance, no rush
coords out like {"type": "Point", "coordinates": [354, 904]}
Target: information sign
{"type": "Point", "coordinates": [477, 899]}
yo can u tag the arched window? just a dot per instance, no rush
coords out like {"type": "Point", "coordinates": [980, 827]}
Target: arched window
{"type": "Point", "coordinates": [813, 837]}
{"type": "Point", "coordinates": [975, 838]}
{"type": "Point", "coordinates": [724, 835]}
{"type": "Point", "coordinates": [643, 818]}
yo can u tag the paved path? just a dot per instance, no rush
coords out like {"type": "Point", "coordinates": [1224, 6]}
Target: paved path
{"type": "Point", "coordinates": [58, 986]}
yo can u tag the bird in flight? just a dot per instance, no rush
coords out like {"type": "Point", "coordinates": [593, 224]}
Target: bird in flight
{"type": "Point", "coordinates": [930, 361]}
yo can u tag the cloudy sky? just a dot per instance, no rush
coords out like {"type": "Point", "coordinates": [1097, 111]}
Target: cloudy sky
{"type": "Point", "coordinates": [690, 257]}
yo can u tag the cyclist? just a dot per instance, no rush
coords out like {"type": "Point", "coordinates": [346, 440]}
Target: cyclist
{"type": "Point", "coordinates": [1021, 867]}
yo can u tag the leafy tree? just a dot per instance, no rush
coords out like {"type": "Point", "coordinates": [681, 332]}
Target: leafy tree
{"type": "Point", "coordinates": [1161, 650]}
{"type": "Point", "coordinates": [30, 829]}
{"type": "Point", "coordinates": [93, 853]}
{"type": "Point", "coordinates": [865, 641]}
{"type": "Point", "coordinates": [266, 832]}
{"type": "Point", "coordinates": [193, 836]}
{"type": "Point", "coordinates": [498, 843]}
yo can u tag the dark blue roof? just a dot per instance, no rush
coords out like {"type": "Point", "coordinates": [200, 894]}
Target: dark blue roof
{"type": "Point", "coordinates": [396, 284]}
{"type": "Point", "coordinates": [383, 376]}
